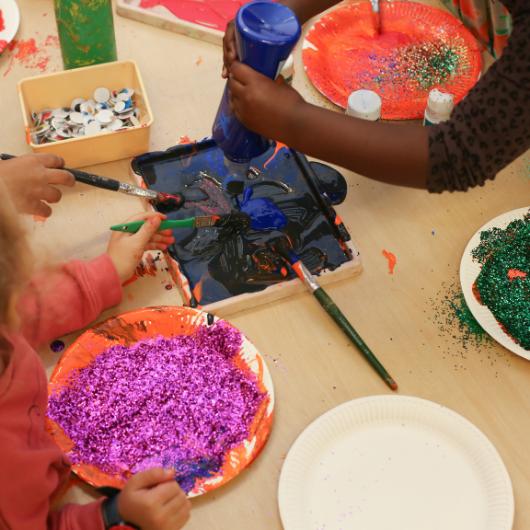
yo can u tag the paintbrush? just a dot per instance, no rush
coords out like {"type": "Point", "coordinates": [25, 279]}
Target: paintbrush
{"type": "Point", "coordinates": [122, 187]}
{"type": "Point", "coordinates": [235, 221]}
{"type": "Point", "coordinates": [377, 12]}
{"type": "Point", "coordinates": [284, 249]}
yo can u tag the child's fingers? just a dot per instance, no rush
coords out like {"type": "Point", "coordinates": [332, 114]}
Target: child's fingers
{"type": "Point", "coordinates": [51, 161]}
{"type": "Point", "coordinates": [147, 230]}
{"type": "Point", "coordinates": [150, 478]}
{"type": "Point", "coordinates": [50, 194]}
{"type": "Point", "coordinates": [143, 216]}
{"type": "Point", "coordinates": [156, 246]}
{"type": "Point", "coordinates": [41, 209]}
{"type": "Point", "coordinates": [60, 176]}
{"type": "Point", "coordinates": [162, 240]}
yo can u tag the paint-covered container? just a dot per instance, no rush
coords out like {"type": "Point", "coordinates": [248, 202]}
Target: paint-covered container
{"type": "Point", "coordinates": [266, 33]}
{"type": "Point", "coordinates": [86, 32]}
{"type": "Point", "coordinates": [364, 104]}
{"type": "Point", "coordinates": [440, 105]}
{"type": "Point", "coordinates": [59, 89]}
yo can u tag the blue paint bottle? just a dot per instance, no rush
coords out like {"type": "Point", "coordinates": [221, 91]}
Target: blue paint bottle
{"type": "Point", "coordinates": [266, 33]}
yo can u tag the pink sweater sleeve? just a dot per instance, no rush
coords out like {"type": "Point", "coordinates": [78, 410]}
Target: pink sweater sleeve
{"type": "Point", "coordinates": [68, 298]}
{"type": "Point", "coordinates": [77, 517]}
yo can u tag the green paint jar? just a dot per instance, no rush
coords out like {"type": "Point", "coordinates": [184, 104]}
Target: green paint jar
{"type": "Point", "coordinates": [86, 32]}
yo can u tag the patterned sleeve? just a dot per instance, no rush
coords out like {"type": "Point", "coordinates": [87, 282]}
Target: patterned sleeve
{"type": "Point", "coordinates": [491, 127]}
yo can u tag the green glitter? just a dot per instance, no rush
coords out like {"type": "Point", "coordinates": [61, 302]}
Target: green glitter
{"type": "Point", "coordinates": [429, 64]}
{"type": "Point", "coordinates": [467, 323]}
{"type": "Point", "coordinates": [499, 251]}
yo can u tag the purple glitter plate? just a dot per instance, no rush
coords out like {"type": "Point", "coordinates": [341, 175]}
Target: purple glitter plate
{"type": "Point", "coordinates": [161, 386]}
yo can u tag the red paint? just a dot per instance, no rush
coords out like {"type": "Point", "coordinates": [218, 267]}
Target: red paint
{"type": "Point", "coordinates": [2, 24]}
{"type": "Point", "coordinates": [516, 273]}
{"type": "Point", "coordinates": [198, 61]}
{"type": "Point", "coordinates": [169, 287]}
{"type": "Point", "coordinates": [185, 139]}
{"type": "Point", "coordinates": [392, 260]}
{"type": "Point", "coordinates": [351, 55]}
{"type": "Point", "coordinates": [39, 219]}
{"type": "Point", "coordinates": [3, 45]}
{"type": "Point", "coordinates": [213, 14]}
{"type": "Point", "coordinates": [29, 54]}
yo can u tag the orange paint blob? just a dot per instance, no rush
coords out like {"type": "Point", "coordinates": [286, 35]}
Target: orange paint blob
{"type": "Point", "coordinates": [516, 273]}
{"type": "Point", "coordinates": [392, 260]}
{"type": "Point", "coordinates": [277, 149]}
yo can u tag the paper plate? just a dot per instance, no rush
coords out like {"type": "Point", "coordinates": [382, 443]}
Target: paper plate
{"type": "Point", "coordinates": [469, 271]}
{"type": "Point", "coordinates": [134, 326]}
{"type": "Point", "coordinates": [420, 48]}
{"type": "Point", "coordinates": [399, 462]}
{"type": "Point", "coordinates": [9, 22]}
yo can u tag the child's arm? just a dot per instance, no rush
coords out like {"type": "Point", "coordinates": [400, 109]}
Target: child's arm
{"type": "Point", "coordinates": [32, 180]}
{"type": "Point", "coordinates": [62, 300]}
{"type": "Point", "coordinates": [394, 153]}
{"type": "Point", "coordinates": [487, 130]}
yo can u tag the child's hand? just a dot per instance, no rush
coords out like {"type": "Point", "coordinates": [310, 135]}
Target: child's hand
{"type": "Point", "coordinates": [126, 250]}
{"type": "Point", "coordinates": [265, 106]}
{"type": "Point", "coordinates": [229, 48]}
{"type": "Point", "coordinates": [31, 181]}
{"type": "Point", "coordinates": [153, 500]}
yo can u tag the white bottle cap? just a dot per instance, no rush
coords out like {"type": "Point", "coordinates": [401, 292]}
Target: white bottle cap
{"type": "Point", "coordinates": [440, 103]}
{"type": "Point", "coordinates": [364, 104]}
{"type": "Point", "coordinates": [287, 69]}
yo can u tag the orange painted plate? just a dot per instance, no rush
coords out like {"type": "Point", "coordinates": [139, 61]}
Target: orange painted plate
{"type": "Point", "coordinates": [419, 48]}
{"type": "Point", "coordinates": [141, 324]}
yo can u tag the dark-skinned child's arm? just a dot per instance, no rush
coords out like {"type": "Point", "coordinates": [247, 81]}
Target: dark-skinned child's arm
{"type": "Point", "coordinates": [393, 153]}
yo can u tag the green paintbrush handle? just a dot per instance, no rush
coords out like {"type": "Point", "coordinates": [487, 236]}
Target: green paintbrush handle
{"type": "Point", "coordinates": [336, 314]}
{"type": "Point", "coordinates": [133, 226]}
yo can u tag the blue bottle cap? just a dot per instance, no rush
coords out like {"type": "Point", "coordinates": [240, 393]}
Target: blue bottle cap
{"type": "Point", "coordinates": [269, 23]}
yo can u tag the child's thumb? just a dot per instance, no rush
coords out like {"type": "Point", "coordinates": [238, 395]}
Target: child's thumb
{"type": "Point", "coordinates": [148, 229]}
{"type": "Point", "coordinates": [151, 477]}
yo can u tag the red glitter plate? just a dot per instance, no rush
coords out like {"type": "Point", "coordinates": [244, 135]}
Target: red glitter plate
{"type": "Point", "coordinates": [134, 326]}
{"type": "Point", "coordinates": [419, 48]}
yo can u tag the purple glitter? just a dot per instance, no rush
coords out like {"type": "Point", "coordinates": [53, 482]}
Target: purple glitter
{"type": "Point", "coordinates": [177, 402]}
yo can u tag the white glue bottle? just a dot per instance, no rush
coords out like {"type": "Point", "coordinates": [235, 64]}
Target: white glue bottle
{"type": "Point", "coordinates": [439, 107]}
{"type": "Point", "coordinates": [364, 104]}
{"type": "Point", "coordinates": [287, 69]}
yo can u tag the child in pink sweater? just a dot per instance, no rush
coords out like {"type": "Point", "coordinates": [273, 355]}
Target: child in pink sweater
{"type": "Point", "coordinates": [33, 470]}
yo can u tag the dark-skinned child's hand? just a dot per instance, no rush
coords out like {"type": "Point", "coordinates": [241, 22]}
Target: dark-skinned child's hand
{"type": "Point", "coordinates": [267, 107]}
{"type": "Point", "coordinates": [229, 48]}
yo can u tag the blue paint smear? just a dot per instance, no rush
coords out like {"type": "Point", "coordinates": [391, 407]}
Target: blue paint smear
{"type": "Point", "coordinates": [263, 213]}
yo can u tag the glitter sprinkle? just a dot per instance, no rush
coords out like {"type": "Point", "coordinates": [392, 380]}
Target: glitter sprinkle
{"type": "Point", "coordinates": [391, 259]}
{"type": "Point", "coordinates": [175, 402]}
{"type": "Point", "coordinates": [503, 284]}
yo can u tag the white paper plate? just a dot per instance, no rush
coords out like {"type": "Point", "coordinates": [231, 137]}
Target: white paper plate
{"type": "Point", "coordinates": [469, 271]}
{"type": "Point", "coordinates": [11, 17]}
{"type": "Point", "coordinates": [394, 462]}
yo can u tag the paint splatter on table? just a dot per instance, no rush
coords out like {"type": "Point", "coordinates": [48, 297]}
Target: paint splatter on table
{"type": "Point", "coordinates": [31, 53]}
{"type": "Point", "coordinates": [419, 48]}
{"type": "Point", "coordinates": [391, 260]}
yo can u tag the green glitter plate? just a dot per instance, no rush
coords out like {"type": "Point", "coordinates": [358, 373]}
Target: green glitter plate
{"type": "Point", "coordinates": [469, 271]}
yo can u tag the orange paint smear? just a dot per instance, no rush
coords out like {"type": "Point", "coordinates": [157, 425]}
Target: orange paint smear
{"type": "Point", "coordinates": [516, 273]}
{"type": "Point", "coordinates": [392, 260]}
{"type": "Point", "coordinates": [197, 291]}
{"type": "Point", "coordinates": [277, 149]}
{"type": "Point", "coordinates": [39, 219]}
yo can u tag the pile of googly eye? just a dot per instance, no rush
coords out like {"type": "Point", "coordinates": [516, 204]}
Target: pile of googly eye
{"type": "Point", "coordinates": [107, 111]}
